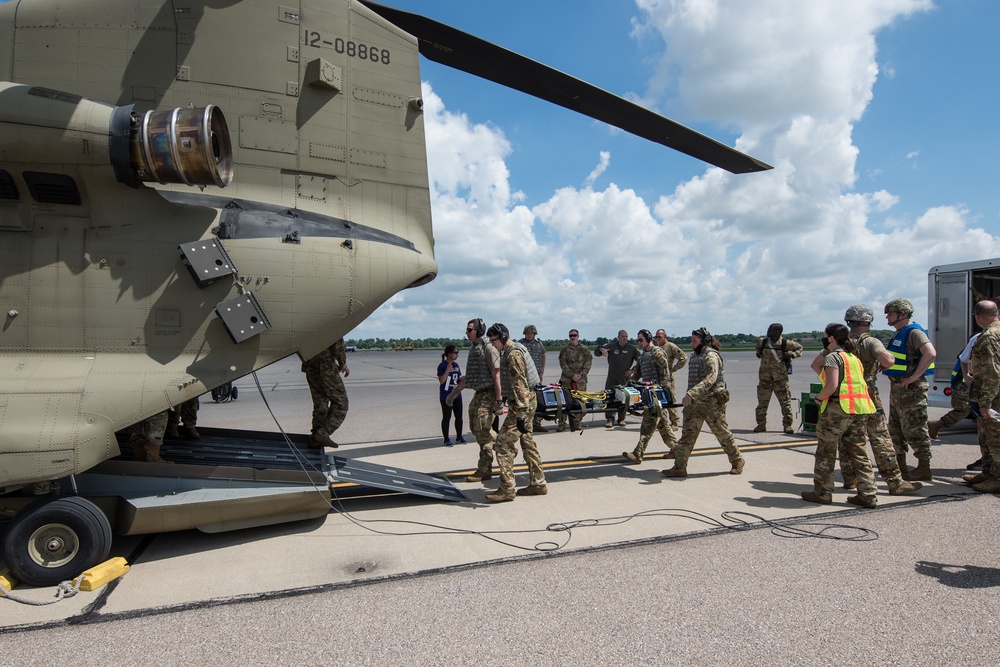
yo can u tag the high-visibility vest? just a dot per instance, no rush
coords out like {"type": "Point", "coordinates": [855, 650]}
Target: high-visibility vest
{"type": "Point", "coordinates": [900, 353]}
{"type": "Point", "coordinates": [853, 390]}
{"type": "Point", "coordinates": [957, 376]}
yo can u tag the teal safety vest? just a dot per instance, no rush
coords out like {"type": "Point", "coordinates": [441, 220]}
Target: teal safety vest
{"type": "Point", "coordinates": [901, 359]}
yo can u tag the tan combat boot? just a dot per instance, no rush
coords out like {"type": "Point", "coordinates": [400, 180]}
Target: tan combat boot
{"type": "Point", "coordinates": [902, 488]}
{"type": "Point", "coordinates": [813, 497]}
{"type": "Point", "coordinates": [153, 451]}
{"type": "Point", "coordinates": [933, 428]}
{"type": "Point", "coordinates": [319, 440]}
{"type": "Point", "coordinates": [534, 490]}
{"type": "Point", "coordinates": [991, 485]}
{"type": "Point", "coordinates": [977, 478]}
{"type": "Point", "coordinates": [738, 466]}
{"type": "Point", "coordinates": [171, 431]}
{"type": "Point", "coordinates": [901, 462]}
{"type": "Point", "coordinates": [501, 496]}
{"type": "Point", "coordinates": [861, 501]}
{"type": "Point", "coordinates": [192, 433]}
{"type": "Point", "coordinates": [922, 473]}
{"type": "Point", "coordinates": [675, 472]}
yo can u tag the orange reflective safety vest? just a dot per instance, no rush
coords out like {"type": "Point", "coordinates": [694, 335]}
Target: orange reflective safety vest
{"type": "Point", "coordinates": [853, 390]}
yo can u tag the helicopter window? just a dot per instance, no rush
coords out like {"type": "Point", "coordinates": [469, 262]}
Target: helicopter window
{"type": "Point", "coordinates": [8, 189]}
{"type": "Point", "coordinates": [52, 188]}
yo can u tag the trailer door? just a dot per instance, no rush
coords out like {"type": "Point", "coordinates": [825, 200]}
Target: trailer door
{"type": "Point", "coordinates": [950, 329]}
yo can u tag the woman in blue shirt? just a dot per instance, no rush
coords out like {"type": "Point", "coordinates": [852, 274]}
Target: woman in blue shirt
{"type": "Point", "coordinates": [449, 375]}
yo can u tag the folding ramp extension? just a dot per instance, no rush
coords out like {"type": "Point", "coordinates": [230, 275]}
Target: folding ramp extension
{"type": "Point", "coordinates": [264, 450]}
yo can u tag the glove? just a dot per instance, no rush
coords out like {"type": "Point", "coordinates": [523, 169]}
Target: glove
{"type": "Point", "coordinates": [521, 427]}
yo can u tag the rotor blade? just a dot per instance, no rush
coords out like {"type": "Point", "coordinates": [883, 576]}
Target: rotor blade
{"type": "Point", "coordinates": [448, 46]}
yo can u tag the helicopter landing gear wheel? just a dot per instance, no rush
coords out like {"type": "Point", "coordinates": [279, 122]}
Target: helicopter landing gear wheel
{"type": "Point", "coordinates": [226, 392]}
{"type": "Point", "coordinates": [55, 539]}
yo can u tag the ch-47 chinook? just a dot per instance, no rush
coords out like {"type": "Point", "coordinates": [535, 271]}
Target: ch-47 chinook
{"type": "Point", "coordinates": [191, 190]}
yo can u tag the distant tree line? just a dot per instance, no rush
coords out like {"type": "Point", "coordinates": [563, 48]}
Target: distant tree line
{"type": "Point", "coordinates": [808, 338]}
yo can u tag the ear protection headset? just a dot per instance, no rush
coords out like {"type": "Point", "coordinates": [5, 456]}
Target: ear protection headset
{"type": "Point", "coordinates": [500, 331]}
{"type": "Point", "coordinates": [480, 327]}
{"type": "Point", "coordinates": [706, 337]}
{"type": "Point", "coordinates": [645, 334]}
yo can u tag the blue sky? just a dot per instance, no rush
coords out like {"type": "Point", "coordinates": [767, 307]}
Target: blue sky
{"type": "Point", "coordinates": [879, 116]}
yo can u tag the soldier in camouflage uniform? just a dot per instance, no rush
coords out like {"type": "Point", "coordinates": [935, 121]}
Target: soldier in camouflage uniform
{"type": "Point", "coordinates": [913, 360]}
{"type": "Point", "coordinates": [575, 362]}
{"type": "Point", "coordinates": [705, 401]}
{"type": "Point", "coordinates": [328, 393]}
{"type": "Point", "coordinates": [846, 405]}
{"type": "Point", "coordinates": [959, 395]}
{"type": "Point", "coordinates": [186, 412]}
{"type": "Point", "coordinates": [984, 368]}
{"type": "Point", "coordinates": [482, 375]}
{"type": "Point", "coordinates": [518, 379]}
{"type": "Point", "coordinates": [775, 354]}
{"type": "Point", "coordinates": [654, 368]}
{"type": "Point", "coordinates": [146, 438]}
{"type": "Point", "coordinates": [873, 355]}
{"type": "Point", "coordinates": [676, 359]}
{"type": "Point", "coordinates": [537, 351]}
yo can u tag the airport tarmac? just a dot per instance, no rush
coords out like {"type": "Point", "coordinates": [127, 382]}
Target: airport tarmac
{"type": "Point", "coordinates": [616, 564]}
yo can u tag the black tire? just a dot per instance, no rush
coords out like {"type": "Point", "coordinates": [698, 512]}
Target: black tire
{"type": "Point", "coordinates": [234, 393]}
{"type": "Point", "coordinates": [55, 539]}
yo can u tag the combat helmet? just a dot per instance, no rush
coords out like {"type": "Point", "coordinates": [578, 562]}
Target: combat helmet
{"type": "Point", "coordinates": [899, 306]}
{"type": "Point", "coordinates": [530, 328]}
{"type": "Point", "coordinates": [859, 312]}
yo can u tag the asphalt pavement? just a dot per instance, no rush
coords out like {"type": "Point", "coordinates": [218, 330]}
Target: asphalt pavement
{"type": "Point", "coordinates": [616, 565]}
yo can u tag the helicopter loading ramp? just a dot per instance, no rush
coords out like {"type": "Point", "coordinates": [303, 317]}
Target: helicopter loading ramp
{"type": "Point", "coordinates": [228, 480]}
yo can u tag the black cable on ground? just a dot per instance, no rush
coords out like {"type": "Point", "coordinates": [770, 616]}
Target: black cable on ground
{"type": "Point", "coordinates": [732, 520]}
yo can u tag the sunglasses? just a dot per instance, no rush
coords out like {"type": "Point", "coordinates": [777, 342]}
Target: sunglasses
{"type": "Point", "coordinates": [574, 335]}
{"type": "Point", "coordinates": [469, 329]}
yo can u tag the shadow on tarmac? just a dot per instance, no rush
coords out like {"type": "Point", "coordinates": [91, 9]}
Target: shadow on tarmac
{"type": "Point", "coordinates": [960, 576]}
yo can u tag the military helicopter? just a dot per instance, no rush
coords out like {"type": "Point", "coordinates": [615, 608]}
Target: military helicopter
{"type": "Point", "coordinates": [191, 190]}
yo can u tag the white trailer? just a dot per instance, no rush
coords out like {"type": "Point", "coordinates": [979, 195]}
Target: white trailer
{"type": "Point", "coordinates": [952, 291]}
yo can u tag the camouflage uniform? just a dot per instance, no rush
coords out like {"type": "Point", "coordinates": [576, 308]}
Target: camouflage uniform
{"type": "Point", "coordinates": [574, 359]}
{"type": "Point", "coordinates": [984, 366]}
{"type": "Point", "coordinates": [654, 367]}
{"type": "Point", "coordinates": [326, 386]}
{"type": "Point", "coordinates": [676, 359]}
{"type": "Point", "coordinates": [186, 413]}
{"type": "Point", "coordinates": [521, 401]}
{"type": "Point", "coordinates": [537, 351]}
{"type": "Point", "coordinates": [146, 437]}
{"type": "Point", "coordinates": [482, 358]}
{"type": "Point", "coordinates": [772, 378]}
{"type": "Point", "coordinates": [837, 430]}
{"type": "Point", "coordinates": [869, 349]}
{"type": "Point", "coordinates": [908, 406]}
{"type": "Point", "coordinates": [959, 405]}
{"type": "Point", "coordinates": [708, 393]}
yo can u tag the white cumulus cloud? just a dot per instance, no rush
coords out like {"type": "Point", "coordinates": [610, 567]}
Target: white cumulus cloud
{"type": "Point", "coordinates": [732, 252]}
